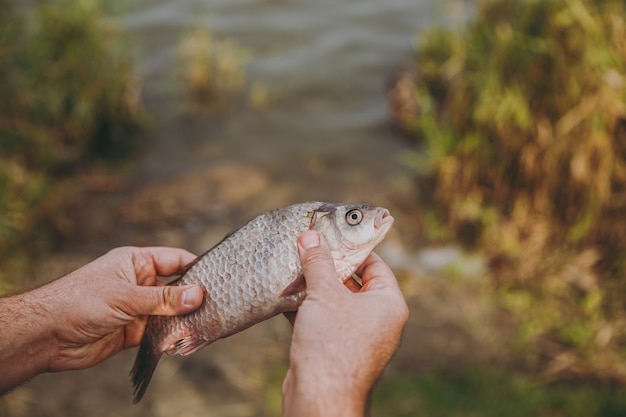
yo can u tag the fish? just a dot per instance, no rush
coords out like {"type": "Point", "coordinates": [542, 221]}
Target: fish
{"type": "Point", "coordinates": [254, 273]}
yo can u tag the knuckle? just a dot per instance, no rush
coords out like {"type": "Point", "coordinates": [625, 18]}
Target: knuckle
{"type": "Point", "coordinates": [165, 299]}
{"type": "Point", "coordinates": [122, 250]}
{"type": "Point", "coordinates": [397, 311]}
{"type": "Point", "coordinates": [403, 314]}
{"type": "Point", "coordinates": [400, 314]}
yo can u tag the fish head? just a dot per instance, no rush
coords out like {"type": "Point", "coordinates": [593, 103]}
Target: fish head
{"type": "Point", "coordinates": [352, 232]}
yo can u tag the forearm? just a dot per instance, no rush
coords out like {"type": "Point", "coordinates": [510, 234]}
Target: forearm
{"type": "Point", "coordinates": [25, 338]}
{"type": "Point", "coordinates": [323, 394]}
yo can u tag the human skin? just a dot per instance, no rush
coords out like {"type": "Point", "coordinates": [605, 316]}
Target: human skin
{"type": "Point", "coordinates": [88, 315]}
{"type": "Point", "coordinates": [343, 336]}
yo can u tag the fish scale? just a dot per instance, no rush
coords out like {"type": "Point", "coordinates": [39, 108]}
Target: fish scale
{"type": "Point", "coordinates": [254, 274]}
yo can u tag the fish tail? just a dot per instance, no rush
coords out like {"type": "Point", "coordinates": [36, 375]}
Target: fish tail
{"type": "Point", "coordinates": [145, 363]}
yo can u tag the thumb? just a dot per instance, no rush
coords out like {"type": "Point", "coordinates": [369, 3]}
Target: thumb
{"type": "Point", "coordinates": [166, 300]}
{"type": "Point", "coordinates": [317, 262]}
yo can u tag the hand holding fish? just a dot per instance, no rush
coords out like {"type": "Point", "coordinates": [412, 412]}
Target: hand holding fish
{"type": "Point", "coordinates": [344, 334]}
{"type": "Point", "coordinates": [342, 338]}
{"type": "Point", "coordinates": [90, 314]}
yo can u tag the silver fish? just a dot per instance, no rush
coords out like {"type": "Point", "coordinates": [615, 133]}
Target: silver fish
{"type": "Point", "coordinates": [254, 273]}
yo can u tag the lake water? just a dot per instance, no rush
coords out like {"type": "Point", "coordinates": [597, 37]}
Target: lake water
{"type": "Point", "coordinates": [325, 65]}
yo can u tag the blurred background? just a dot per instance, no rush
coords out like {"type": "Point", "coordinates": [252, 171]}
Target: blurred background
{"type": "Point", "coordinates": [494, 131]}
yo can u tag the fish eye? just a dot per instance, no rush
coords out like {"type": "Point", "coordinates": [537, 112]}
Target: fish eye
{"type": "Point", "coordinates": [354, 217]}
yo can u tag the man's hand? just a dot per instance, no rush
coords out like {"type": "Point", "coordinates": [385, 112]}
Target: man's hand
{"type": "Point", "coordinates": [343, 338]}
{"type": "Point", "coordinates": [90, 314]}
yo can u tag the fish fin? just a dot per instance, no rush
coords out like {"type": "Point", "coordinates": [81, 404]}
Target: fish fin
{"type": "Point", "coordinates": [292, 296]}
{"type": "Point", "coordinates": [295, 287]}
{"type": "Point", "coordinates": [186, 345]}
{"type": "Point", "coordinates": [145, 363]}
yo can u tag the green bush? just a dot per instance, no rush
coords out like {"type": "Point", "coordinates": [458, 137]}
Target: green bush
{"type": "Point", "coordinates": [68, 97]}
{"type": "Point", "coordinates": [524, 119]}
{"type": "Point", "coordinates": [487, 393]}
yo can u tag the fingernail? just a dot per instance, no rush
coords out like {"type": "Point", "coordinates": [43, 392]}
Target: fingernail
{"type": "Point", "coordinates": [309, 240]}
{"type": "Point", "coordinates": [190, 296]}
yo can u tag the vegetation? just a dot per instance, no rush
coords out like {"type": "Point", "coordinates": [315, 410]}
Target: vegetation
{"type": "Point", "coordinates": [523, 116]}
{"type": "Point", "coordinates": [486, 393]}
{"type": "Point", "coordinates": [69, 98]}
{"type": "Point", "coordinates": [213, 71]}
{"type": "Point", "coordinates": [70, 107]}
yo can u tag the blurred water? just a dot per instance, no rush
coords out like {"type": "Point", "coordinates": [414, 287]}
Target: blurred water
{"type": "Point", "coordinates": [325, 64]}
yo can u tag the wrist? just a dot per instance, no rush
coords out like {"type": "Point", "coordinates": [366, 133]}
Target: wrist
{"type": "Point", "coordinates": [327, 393]}
{"type": "Point", "coordinates": [26, 345]}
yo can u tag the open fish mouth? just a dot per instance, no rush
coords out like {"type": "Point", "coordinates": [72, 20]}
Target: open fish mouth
{"type": "Point", "coordinates": [383, 219]}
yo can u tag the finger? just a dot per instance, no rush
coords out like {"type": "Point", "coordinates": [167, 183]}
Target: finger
{"type": "Point", "coordinates": [375, 273]}
{"type": "Point", "coordinates": [317, 263]}
{"type": "Point", "coordinates": [165, 301]}
{"type": "Point", "coordinates": [169, 261]}
{"type": "Point", "coordinates": [162, 261]}
{"type": "Point", "coordinates": [353, 285]}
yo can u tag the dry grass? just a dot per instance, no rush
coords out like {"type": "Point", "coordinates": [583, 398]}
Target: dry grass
{"type": "Point", "coordinates": [524, 119]}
